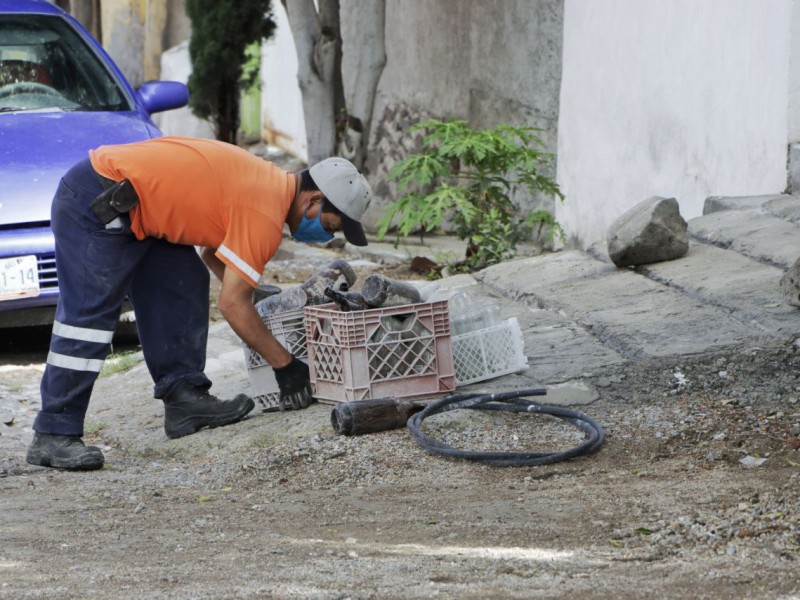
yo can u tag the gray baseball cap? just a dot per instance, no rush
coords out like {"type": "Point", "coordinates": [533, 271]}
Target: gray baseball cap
{"type": "Point", "coordinates": [348, 190]}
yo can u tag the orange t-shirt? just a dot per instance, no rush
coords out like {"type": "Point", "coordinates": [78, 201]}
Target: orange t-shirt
{"type": "Point", "coordinates": [204, 193]}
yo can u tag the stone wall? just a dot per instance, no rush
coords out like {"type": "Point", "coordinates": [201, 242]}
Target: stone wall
{"type": "Point", "coordinates": [393, 141]}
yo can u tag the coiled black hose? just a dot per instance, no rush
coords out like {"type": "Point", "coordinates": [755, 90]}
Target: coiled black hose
{"type": "Point", "coordinates": [511, 402]}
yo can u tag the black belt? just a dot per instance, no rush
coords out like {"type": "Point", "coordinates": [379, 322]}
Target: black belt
{"type": "Point", "coordinates": [105, 181]}
{"type": "Point", "coordinates": [117, 198]}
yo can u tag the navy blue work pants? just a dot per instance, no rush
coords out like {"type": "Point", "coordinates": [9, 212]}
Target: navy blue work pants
{"type": "Point", "coordinates": [98, 265]}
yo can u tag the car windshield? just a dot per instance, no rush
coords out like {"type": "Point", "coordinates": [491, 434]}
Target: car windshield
{"type": "Point", "coordinates": [46, 65]}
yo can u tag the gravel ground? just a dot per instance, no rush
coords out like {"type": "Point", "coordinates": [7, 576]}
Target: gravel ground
{"type": "Point", "coordinates": [696, 493]}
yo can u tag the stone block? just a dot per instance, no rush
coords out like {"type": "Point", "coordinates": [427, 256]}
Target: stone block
{"type": "Point", "coordinates": [794, 168]}
{"type": "Point", "coordinates": [652, 231]}
{"type": "Point", "coordinates": [790, 284]}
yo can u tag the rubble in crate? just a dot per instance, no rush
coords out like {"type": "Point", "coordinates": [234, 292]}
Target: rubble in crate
{"type": "Point", "coordinates": [287, 300]}
{"type": "Point", "coordinates": [338, 276]}
{"type": "Point", "coordinates": [378, 291]}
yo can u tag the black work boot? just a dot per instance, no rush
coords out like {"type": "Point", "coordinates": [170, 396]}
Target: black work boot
{"type": "Point", "coordinates": [188, 408]}
{"type": "Point", "coordinates": [64, 452]}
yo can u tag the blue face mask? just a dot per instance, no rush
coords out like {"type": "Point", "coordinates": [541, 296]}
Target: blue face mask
{"type": "Point", "coordinates": [311, 230]}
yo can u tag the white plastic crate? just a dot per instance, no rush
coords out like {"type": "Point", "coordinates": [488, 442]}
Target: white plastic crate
{"type": "Point", "coordinates": [289, 329]}
{"type": "Point", "coordinates": [396, 351]}
{"type": "Point", "coordinates": [487, 353]}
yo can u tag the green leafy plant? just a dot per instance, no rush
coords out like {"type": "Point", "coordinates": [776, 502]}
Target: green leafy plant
{"type": "Point", "coordinates": [470, 176]}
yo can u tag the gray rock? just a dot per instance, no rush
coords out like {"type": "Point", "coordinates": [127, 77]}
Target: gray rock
{"type": "Point", "coordinates": [652, 231]}
{"type": "Point", "coordinates": [790, 284]}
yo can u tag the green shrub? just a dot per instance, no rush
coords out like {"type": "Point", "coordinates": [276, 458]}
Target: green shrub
{"type": "Point", "coordinates": [222, 30]}
{"type": "Point", "coordinates": [470, 176]}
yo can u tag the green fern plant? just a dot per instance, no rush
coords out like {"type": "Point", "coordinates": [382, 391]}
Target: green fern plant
{"type": "Point", "coordinates": [470, 176]}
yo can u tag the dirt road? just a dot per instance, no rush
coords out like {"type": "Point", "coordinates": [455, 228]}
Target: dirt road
{"type": "Point", "coordinates": [696, 493]}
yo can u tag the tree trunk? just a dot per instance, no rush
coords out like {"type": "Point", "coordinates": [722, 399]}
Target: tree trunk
{"type": "Point", "coordinates": [86, 12]}
{"type": "Point", "coordinates": [329, 18]}
{"type": "Point", "coordinates": [369, 68]}
{"type": "Point", "coordinates": [330, 127]}
{"type": "Point", "coordinates": [226, 123]}
{"type": "Point", "coordinates": [316, 59]}
{"type": "Point", "coordinates": [155, 23]}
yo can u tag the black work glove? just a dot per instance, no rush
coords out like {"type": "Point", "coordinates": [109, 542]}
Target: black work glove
{"type": "Point", "coordinates": [295, 385]}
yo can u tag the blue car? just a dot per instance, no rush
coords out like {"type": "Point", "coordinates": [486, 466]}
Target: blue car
{"type": "Point", "coordinates": [60, 96]}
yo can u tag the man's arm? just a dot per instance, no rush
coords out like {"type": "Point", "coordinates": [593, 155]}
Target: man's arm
{"type": "Point", "coordinates": [209, 256]}
{"type": "Point", "coordinates": [236, 305]}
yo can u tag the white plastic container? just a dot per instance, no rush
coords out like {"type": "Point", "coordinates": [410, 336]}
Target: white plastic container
{"type": "Point", "coordinates": [289, 329]}
{"type": "Point", "coordinates": [489, 352]}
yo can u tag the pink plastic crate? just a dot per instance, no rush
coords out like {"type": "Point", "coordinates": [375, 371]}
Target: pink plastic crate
{"type": "Point", "coordinates": [399, 351]}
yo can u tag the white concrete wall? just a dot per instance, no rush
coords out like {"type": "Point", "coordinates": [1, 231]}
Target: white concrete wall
{"type": "Point", "coordinates": [794, 76]}
{"type": "Point", "coordinates": [176, 65]}
{"type": "Point", "coordinates": [678, 98]}
{"type": "Point", "coordinates": [489, 62]}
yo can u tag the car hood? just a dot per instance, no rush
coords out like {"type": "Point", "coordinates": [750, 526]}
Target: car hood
{"type": "Point", "coordinates": [37, 148]}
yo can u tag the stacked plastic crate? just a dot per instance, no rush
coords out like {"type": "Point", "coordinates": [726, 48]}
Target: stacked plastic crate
{"type": "Point", "coordinates": [289, 329]}
{"type": "Point", "coordinates": [488, 353]}
{"type": "Point", "coordinates": [484, 346]}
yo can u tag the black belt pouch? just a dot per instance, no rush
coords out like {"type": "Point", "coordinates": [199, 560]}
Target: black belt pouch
{"type": "Point", "coordinates": [115, 200]}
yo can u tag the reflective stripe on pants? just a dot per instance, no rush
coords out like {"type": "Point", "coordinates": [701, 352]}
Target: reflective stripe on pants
{"type": "Point", "coordinates": [97, 267]}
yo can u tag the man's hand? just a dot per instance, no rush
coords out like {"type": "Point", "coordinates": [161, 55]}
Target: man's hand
{"type": "Point", "coordinates": [295, 385]}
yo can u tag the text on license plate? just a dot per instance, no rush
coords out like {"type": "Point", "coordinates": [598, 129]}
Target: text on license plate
{"type": "Point", "coordinates": [19, 277]}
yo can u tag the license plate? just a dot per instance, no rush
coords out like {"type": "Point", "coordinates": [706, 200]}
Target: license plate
{"type": "Point", "coordinates": [19, 277]}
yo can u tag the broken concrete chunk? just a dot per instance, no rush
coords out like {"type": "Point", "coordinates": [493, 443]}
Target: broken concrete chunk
{"type": "Point", "coordinates": [790, 284]}
{"type": "Point", "coordinates": [652, 231]}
